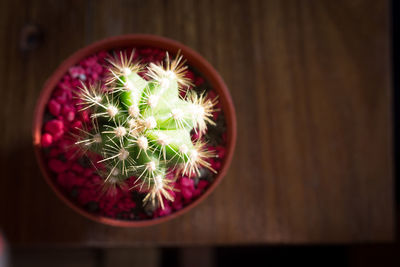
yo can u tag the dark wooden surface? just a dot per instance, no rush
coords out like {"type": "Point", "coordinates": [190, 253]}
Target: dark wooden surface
{"type": "Point", "coordinates": [312, 87]}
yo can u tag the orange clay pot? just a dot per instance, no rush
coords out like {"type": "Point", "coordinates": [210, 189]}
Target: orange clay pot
{"type": "Point", "coordinates": [134, 40]}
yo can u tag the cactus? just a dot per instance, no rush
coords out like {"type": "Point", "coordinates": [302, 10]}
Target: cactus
{"type": "Point", "coordinates": [141, 125]}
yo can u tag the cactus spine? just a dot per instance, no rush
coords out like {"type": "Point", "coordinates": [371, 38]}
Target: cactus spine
{"type": "Point", "coordinates": [142, 127]}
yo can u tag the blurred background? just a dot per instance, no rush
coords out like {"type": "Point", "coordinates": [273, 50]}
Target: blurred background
{"type": "Point", "coordinates": [314, 177]}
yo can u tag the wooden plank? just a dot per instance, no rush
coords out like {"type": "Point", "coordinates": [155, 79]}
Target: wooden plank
{"type": "Point", "coordinates": [311, 85]}
{"type": "Point", "coordinates": [28, 206]}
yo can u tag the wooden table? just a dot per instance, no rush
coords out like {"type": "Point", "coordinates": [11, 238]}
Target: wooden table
{"type": "Point", "coordinates": [312, 87]}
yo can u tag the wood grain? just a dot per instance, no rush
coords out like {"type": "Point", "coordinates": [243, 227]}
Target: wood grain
{"type": "Point", "coordinates": [311, 85]}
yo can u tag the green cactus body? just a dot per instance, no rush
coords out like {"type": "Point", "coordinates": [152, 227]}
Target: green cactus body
{"type": "Point", "coordinates": [142, 126]}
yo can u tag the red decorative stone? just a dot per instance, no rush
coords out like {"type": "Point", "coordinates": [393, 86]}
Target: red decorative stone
{"type": "Point", "coordinates": [186, 182]}
{"type": "Point", "coordinates": [75, 126]}
{"type": "Point", "coordinates": [202, 184]}
{"type": "Point", "coordinates": [46, 140]}
{"type": "Point", "coordinates": [54, 127]}
{"type": "Point", "coordinates": [54, 107]}
{"type": "Point", "coordinates": [186, 193]}
{"type": "Point", "coordinates": [77, 168]}
{"type": "Point", "coordinates": [70, 116]}
{"type": "Point", "coordinates": [199, 81]}
{"type": "Point", "coordinates": [57, 165]}
{"type": "Point", "coordinates": [76, 71]}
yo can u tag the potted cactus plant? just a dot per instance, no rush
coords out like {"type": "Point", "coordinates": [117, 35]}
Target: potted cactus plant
{"type": "Point", "coordinates": [122, 132]}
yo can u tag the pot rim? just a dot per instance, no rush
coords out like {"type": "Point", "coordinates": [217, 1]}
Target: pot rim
{"type": "Point", "coordinates": [136, 40]}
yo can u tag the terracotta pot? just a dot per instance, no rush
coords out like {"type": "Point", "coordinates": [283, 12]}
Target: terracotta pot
{"type": "Point", "coordinates": [193, 59]}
